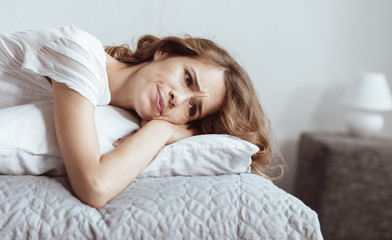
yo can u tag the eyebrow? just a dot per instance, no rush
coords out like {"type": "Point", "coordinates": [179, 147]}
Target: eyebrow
{"type": "Point", "coordinates": [197, 85]}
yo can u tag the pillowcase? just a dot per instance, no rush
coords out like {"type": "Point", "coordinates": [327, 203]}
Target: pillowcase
{"type": "Point", "coordinates": [209, 154]}
{"type": "Point", "coordinates": [28, 145]}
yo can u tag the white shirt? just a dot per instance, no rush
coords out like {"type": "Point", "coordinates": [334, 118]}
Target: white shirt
{"type": "Point", "coordinates": [67, 55]}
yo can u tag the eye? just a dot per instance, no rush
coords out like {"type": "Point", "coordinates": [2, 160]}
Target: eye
{"type": "Point", "coordinates": [188, 79]}
{"type": "Point", "coordinates": [192, 109]}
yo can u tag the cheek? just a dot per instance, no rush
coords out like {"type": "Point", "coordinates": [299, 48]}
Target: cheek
{"type": "Point", "coordinates": [143, 108]}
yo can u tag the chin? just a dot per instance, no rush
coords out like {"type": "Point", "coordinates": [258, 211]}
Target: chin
{"type": "Point", "coordinates": [147, 116]}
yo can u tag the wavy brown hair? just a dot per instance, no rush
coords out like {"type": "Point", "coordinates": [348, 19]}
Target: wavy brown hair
{"type": "Point", "coordinates": [241, 114]}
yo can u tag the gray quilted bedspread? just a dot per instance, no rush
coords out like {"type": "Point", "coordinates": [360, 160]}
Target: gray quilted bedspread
{"type": "Point", "coordinates": [235, 206]}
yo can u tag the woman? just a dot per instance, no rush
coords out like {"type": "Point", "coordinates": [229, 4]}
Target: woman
{"type": "Point", "coordinates": [178, 87]}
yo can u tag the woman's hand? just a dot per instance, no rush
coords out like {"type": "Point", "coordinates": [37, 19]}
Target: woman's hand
{"type": "Point", "coordinates": [123, 139]}
{"type": "Point", "coordinates": [179, 132]}
{"type": "Point", "coordinates": [176, 132]}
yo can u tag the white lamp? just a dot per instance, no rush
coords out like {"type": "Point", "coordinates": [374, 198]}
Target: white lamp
{"type": "Point", "coordinates": [366, 99]}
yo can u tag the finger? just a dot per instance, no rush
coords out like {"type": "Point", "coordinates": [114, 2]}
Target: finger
{"type": "Point", "coordinates": [194, 131]}
{"type": "Point", "coordinates": [117, 142]}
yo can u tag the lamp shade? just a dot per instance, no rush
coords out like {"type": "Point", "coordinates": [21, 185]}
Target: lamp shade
{"type": "Point", "coordinates": [370, 92]}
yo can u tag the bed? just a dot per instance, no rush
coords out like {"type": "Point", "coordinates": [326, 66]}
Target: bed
{"type": "Point", "coordinates": [197, 188]}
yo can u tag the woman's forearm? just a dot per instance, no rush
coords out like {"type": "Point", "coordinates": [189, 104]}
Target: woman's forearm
{"type": "Point", "coordinates": [96, 179]}
{"type": "Point", "coordinates": [121, 166]}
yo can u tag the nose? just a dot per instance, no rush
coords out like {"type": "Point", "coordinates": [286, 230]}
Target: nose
{"type": "Point", "coordinates": [177, 98]}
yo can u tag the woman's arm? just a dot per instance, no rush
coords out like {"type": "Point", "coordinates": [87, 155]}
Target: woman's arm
{"type": "Point", "coordinates": [96, 179]}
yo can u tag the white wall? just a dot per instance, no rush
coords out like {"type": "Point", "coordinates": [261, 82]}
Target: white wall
{"type": "Point", "coordinates": [300, 54]}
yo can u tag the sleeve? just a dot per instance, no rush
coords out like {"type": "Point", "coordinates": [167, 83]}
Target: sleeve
{"type": "Point", "coordinates": [76, 59]}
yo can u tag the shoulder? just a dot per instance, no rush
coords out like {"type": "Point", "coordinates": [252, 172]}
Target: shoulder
{"type": "Point", "coordinates": [74, 57]}
{"type": "Point", "coordinates": [79, 36]}
{"type": "Point", "coordinates": [69, 35]}
{"type": "Point", "coordinates": [79, 45]}
{"type": "Point", "coordinates": [37, 38]}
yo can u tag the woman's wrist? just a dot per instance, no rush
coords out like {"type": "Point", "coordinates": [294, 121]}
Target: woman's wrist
{"type": "Point", "coordinates": [161, 127]}
{"type": "Point", "coordinates": [169, 131]}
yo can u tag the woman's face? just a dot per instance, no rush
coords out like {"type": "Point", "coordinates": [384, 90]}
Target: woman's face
{"type": "Point", "coordinates": [178, 89]}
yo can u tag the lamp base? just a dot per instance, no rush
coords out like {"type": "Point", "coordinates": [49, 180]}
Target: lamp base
{"type": "Point", "coordinates": [365, 123]}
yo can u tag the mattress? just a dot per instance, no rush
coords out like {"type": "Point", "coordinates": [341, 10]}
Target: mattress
{"type": "Point", "coordinates": [230, 206]}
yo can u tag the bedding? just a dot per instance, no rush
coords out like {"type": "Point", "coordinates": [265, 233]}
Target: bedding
{"type": "Point", "coordinates": [230, 206]}
{"type": "Point", "coordinates": [34, 149]}
{"type": "Point", "coordinates": [196, 188]}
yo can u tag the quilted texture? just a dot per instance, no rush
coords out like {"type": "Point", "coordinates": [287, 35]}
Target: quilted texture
{"type": "Point", "coordinates": [233, 206]}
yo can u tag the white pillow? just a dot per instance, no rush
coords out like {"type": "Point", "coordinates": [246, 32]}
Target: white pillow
{"type": "Point", "coordinates": [210, 154]}
{"type": "Point", "coordinates": [28, 145]}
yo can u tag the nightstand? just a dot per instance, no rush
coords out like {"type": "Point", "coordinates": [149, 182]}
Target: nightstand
{"type": "Point", "coordinates": [347, 180]}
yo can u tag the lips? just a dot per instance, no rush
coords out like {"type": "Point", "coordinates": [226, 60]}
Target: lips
{"type": "Point", "coordinates": [159, 102]}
